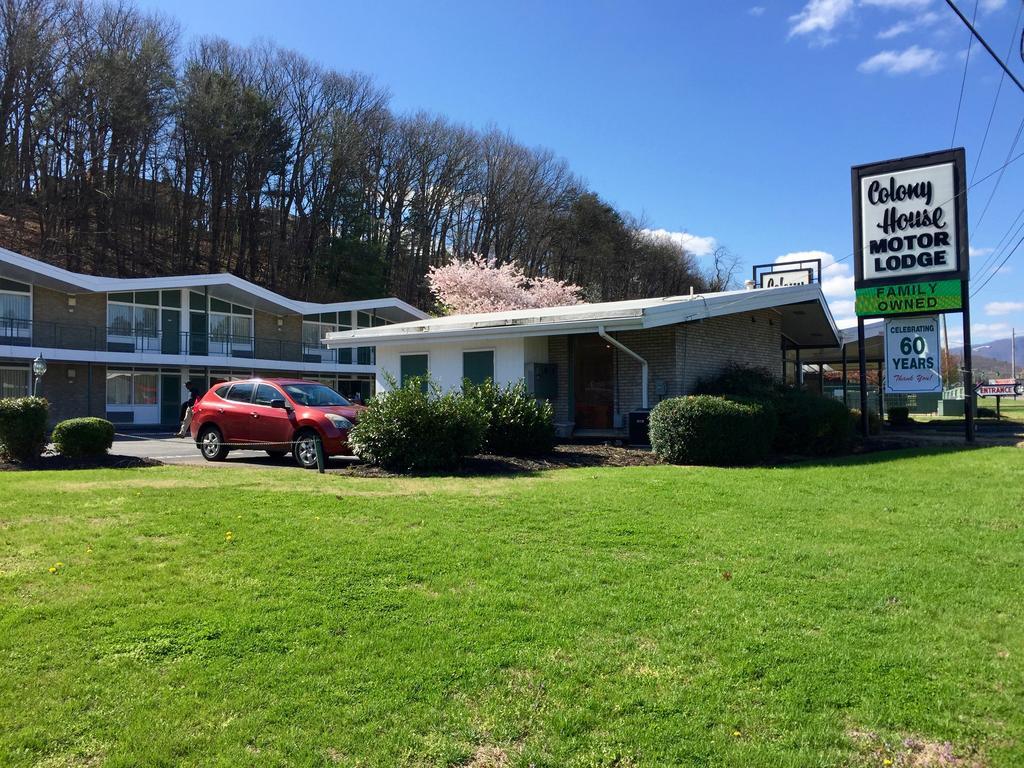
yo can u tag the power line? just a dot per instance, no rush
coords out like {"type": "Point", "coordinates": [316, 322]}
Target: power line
{"type": "Point", "coordinates": [999, 89]}
{"type": "Point", "coordinates": [1020, 130]}
{"type": "Point", "coordinates": [988, 47]}
{"type": "Point", "coordinates": [963, 80]}
{"type": "Point", "coordinates": [1007, 238]}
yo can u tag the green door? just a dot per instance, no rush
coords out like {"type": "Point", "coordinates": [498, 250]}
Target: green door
{"type": "Point", "coordinates": [171, 398]}
{"type": "Point", "coordinates": [414, 366]}
{"type": "Point", "coordinates": [197, 339]}
{"type": "Point", "coordinates": [170, 331]}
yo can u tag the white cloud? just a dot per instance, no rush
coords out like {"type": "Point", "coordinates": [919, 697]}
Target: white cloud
{"type": "Point", "coordinates": [836, 280]}
{"type": "Point", "coordinates": [692, 244]}
{"type": "Point", "coordinates": [819, 17]}
{"type": "Point", "coordinates": [987, 332]}
{"type": "Point", "coordinates": [997, 308]}
{"type": "Point", "coordinates": [988, 6]}
{"type": "Point", "coordinates": [897, 4]}
{"type": "Point", "coordinates": [977, 253]}
{"type": "Point", "coordinates": [757, 10]}
{"type": "Point", "coordinates": [895, 30]}
{"type": "Point", "coordinates": [925, 61]}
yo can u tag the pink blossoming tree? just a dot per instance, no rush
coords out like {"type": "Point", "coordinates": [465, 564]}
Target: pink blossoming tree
{"type": "Point", "coordinates": [475, 284]}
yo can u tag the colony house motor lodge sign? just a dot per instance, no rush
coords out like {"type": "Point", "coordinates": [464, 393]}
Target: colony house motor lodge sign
{"type": "Point", "coordinates": [909, 234]}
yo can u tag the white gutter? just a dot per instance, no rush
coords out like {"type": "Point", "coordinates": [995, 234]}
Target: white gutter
{"type": "Point", "coordinates": [635, 356]}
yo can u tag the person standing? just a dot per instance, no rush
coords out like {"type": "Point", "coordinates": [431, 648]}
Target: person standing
{"type": "Point", "coordinates": [185, 415]}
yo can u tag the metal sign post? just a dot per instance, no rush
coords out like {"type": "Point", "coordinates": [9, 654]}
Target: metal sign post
{"type": "Point", "coordinates": [911, 249]}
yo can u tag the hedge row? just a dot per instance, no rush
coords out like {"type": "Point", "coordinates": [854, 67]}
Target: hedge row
{"type": "Point", "coordinates": [418, 427]}
{"type": "Point", "coordinates": [23, 432]}
{"type": "Point", "coordinates": [743, 415]}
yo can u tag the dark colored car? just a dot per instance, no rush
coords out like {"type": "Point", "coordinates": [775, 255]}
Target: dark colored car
{"type": "Point", "coordinates": [275, 415]}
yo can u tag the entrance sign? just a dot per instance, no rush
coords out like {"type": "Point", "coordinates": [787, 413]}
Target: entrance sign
{"type": "Point", "coordinates": [912, 355]}
{"type": "Point", "coordinates": [911, 258]}
{"type": "Point", "coordinates": [932, 296]}
{"type": "Point", "coordinates": [997, 390]}
{"type": "Point", "coordinates": [910, 220]}
{"type": "Point", "coordinates": [782, 277]}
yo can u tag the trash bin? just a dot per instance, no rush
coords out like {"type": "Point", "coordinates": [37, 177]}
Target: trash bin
{"type": "Point", "coordinates": [638, 423]}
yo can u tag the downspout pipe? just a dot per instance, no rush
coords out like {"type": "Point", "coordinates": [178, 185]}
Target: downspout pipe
{"type": "Point", "coordinates": [643, 363]}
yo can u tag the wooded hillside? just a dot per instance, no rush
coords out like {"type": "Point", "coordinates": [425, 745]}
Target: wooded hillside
{"type": "Point", "coordinates": [125, 151]}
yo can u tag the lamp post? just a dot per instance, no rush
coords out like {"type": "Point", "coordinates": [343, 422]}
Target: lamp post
{"type": "Point", "coordinates": [38, 371]}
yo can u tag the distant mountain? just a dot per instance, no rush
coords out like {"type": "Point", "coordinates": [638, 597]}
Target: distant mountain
{"type": "Point", "coordinates": [992, 359]}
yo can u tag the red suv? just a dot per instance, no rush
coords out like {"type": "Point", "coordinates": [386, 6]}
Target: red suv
{"type": "Point", "coordinates": [275, 415]}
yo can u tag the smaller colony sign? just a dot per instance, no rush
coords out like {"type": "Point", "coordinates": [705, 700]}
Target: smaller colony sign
{"type": "Point", "coordinates": [912, 355]}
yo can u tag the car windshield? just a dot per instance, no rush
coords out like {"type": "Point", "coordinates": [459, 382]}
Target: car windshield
{"type": "Point", "coordinates": [314, 394]}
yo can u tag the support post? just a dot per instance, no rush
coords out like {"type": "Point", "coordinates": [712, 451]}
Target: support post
{"type": "Point", "coordinates": [321, 460]}
{"type": "Point", "coordinates": [643, 363]}
{"type": "Point", "coordinates": [821, 379]}
{"type": "Point", "coordinates": [863, 366]}
{"type": "Point", "coordinates": [799, 370]}
{"type": "Point", "coordinates": [881, 394]}
{"type": "Point", "coordinates": [968, 372]}
{"type": "Point", "coordinates": [846, 385]}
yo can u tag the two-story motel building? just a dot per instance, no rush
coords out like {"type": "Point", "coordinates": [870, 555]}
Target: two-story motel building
{"type": "Point", "coordinates": [123, 348]}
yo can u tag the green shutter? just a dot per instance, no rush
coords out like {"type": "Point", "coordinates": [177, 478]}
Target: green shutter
{"type": "Point", "coordinates": [478, 367]}
{"type": "Point", "coordinates": [413, 366]}
{"type": "Point", "coordinates": [149, 298]}
{"type": "Point", "coordinates": [197, 301]}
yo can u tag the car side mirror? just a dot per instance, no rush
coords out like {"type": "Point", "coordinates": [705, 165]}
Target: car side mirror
{"type": "Point", "coordinates": [279, 403]}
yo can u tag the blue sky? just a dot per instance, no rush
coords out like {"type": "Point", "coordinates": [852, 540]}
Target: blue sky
{"type": "Point", "coordinates": [731, 123]}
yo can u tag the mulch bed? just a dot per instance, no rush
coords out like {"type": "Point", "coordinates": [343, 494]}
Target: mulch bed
{"type": "Point", "coordinates": [562, 457]}
{"type": "Point", "coordinates": [54, 461]}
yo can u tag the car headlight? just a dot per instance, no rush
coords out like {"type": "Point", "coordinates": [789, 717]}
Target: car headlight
{"type": "Point", "coordinates": [339, 421]}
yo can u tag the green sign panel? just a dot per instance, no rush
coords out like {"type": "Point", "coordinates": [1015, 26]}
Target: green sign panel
{"type": "Point", "coordinates": [935, 296]}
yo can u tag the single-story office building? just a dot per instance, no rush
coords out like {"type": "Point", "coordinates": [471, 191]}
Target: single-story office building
{"type": "Point", "coordinates": [124, 348]}
{"type": "Point", "coordinates": [599, 362]}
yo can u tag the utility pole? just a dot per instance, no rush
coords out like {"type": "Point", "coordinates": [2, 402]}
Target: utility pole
{"type": "Point", "coordinates": [1013, 356]}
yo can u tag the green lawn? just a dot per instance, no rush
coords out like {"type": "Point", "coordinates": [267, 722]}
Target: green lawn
{"type": "Point", "coordinates": [1008, 408]}
{"type": "Point", "coordinates": [805, 616]}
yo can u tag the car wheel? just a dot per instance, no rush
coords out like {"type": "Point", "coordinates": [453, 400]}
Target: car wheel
{"type": "Point", "coordinates": [276, 454]}
{"type": "Point", "coordinates": [304, 449]}
{"type": "Point", "coordinates": [211, 444]}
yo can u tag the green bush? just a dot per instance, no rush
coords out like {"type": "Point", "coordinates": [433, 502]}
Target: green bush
{"type": "Point", "coordinates": [899, 416]}
{"type": "Point", "coordinates": [518, 423]}
{"type": "Point", "coordinates": [418, 428]}
{"type": "Point", "coordinates": [812, 425]}
{"type": "Point", "coordinates": [874, 423]}
{"type": "Point", "coordinates": [85, 437]}
{"type": "Point", "coordinates": [703, 429]}
{"type": "Point", "coordinates": [983, 412]}
{"type": "Point", "coordinates": [741, 381]}
{"type": "Point", "coordinates": [22, 427]}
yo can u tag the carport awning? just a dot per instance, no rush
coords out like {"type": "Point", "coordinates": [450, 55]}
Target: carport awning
{"type": "Point", "coordinates": [874, 333]}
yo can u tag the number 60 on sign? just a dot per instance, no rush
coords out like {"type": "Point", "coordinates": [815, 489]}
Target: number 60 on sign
{"type": "Point", "coordinates": [912, 355]}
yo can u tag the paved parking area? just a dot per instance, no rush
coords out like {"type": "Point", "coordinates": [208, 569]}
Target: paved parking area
{"type": "Point", "coordinates": [169, 449]}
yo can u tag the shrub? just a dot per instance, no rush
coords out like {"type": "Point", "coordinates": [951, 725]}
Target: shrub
{"type": "Point", "coordinates": [518, 423]}
{"type": "Point", "coordinates": [22, 427]}
{"type": "Point", "coordinates": [812, 425]}
{"type": "Point", "coordinates": [417, 428]}
{"type": "Point", "coordinates": [85, 437]}
{"type": "Point", "coordinates": [703, 429]}
{"type": "Point", "coordinates": [742, 381]}
{"type": "Point", "coordinates": [983, 412]}
{"type": "Point", "coordinates": [899, 416]}
{"type": "Point", "coordinates": [874, 423]}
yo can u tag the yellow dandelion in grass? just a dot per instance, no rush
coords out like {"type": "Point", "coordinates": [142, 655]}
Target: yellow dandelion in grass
{"type": "Point", "coordinates": [735, 733]}
{"type": "Point", "coordinates": [88, 550]}
{"type": "Point", "coordinates": [60, 565]}
{"type": "Point", "coordinates": [229, 537]}
{"type": "Point", "coordinates": [52, 569]}
{"type": "Point", "coordinates": [887, 761]}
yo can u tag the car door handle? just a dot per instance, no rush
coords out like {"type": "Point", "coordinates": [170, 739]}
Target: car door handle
{"type": "Point", "coordinates": [254, 415]}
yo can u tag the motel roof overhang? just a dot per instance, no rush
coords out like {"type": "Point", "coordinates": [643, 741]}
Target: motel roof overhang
{"type": "Point", "coordinates": [874, 347]}
{"type": "Point", "coordinates": [226, 286]}
{"type": "Point", "coordinates": [803, 313]}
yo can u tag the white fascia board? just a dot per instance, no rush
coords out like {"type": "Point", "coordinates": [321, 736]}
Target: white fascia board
{"type": "Point", "coordinates": [74, 281]}
{"type": "Point", "coordinates": [129, 359]}
{"type": "Point", "coordinates": [343, 339]}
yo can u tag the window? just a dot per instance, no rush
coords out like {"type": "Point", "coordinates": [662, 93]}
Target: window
{"type": "Point", "coordinates": [230, 328]}
{"type": "Point", "coordinates": [314, 395]}
{"type": "Point", "coordinates": [241, 393]}
{"type": "Point", "coordinates": [14, 382]}
{"type": "Point", "coordinates": [223, 391]}
{"type": "Point", "coordinates": [366, 356]}
{"type": "Point", "coordinates": [134, 316]}
{"type": "Point", "coordinates": [413, 366]}
{"type": "Point", "coordinates": [147, 388]}
{"type": "Point", "coordinates": [478, 367]}
{"type": "Point", "coordinates": [15, 309]}
{"type": "Point", "coordinates": [119, 387]}
{"type": "Point", "coordinates": [266, 394]}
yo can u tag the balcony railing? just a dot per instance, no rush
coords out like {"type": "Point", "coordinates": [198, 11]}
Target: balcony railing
{"type": "Point", "coordinates": [27, 333]}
